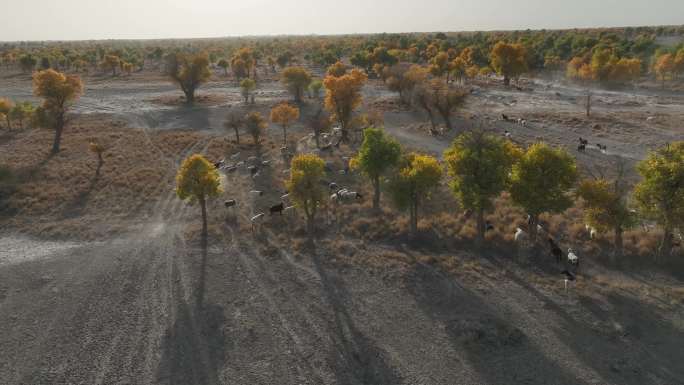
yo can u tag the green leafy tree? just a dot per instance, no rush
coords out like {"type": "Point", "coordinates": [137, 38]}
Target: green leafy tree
{"type": "Point", "coordinates": [605, 207]}
{"type": "Point", "coordinates": [417, 176]}
{"type": "Point", "coordinates": [378, 154]}
{"type": "Point", "coordinates": [305, 186]}
{"type": "Point", "coordinates": [247, 86]}
{"type": "Point", "coordinates": [541, 181]}
{"type": "Point", "coordinates": [198, 180]}
{"type": "Point", "coordinates": [479, 165]}
{"type": "Point", "coordinates": [660, 194]}
{"type": "Point", "coordinates": [22, 112]}
{"type": "Point", "coordinates": [189, 71]}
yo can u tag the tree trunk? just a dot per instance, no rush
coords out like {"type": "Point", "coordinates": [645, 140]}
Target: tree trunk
{"type": "Point", "coordinates": [203, 204]}
{"type": "Point", "coordinates": [58, 138]}
{"type": "Point", "coordinates": [618, 244]}
{"type": "Point", "coordinates": [447, 121]}
{"type": "Point", "coordinates": [534, 219]}
{"type": "Point", "coordinates": [414, 218]}
{"type": "Point", "coordinates": [190, 96]}
{"type": "Point", "coordinates": [376, 195]}
{"type": "Point", "coordinates": [284, 135]}
{"type": "Point", "coordinates": [507, 81]}
{"type": "Point", "coordinates": [237, 135]}
{"type": "Point", "coordinates": [480, 227]}
{"type": "Point", "coordinates": [588, 105]}
{"type": "Point", "coordinates": [666, 245]}
{"type": "Point", "coordinates": [9, 122]}
{"type": "Point", "coordinates": [432, 118]}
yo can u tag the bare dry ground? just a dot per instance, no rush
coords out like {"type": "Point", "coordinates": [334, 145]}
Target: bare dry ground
{"type": "Point", "coordinates": [103, 279]}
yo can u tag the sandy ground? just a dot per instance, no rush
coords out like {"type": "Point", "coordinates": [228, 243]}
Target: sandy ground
{"type": "Point", "coordinates": [152, 305]}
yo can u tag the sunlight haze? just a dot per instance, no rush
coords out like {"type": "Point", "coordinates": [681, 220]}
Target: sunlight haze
{"type": "Point", "coordinates": [149, 19]}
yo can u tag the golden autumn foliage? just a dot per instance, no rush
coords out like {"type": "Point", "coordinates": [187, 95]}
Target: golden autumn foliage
{"type": "Point", "coordinates": [343, 96]}
{"type": "Point", "coordinates": [189, 71]}
{"type": "Point", "coordinates": [6, 107]}
{"type": "Point", "coordinates": [338, 69]}
{"type": "Point", "coordinates": [284, 114]}
{"type": "Point", "coordinates": [111, 63]}
{"type": "Point", "coordinates": [604, 66]}
{"type": "Point", "coordinates": [509, 60]}
{"type": "Point", "coordinates": [664, 67]}
{"type": "Point", "coordinates": [196, 181]}
{"type": "Point", "coordinates": [296, 80]}
{"type": "Point", "coordinates": [58, 92]}
{"type": "Point", "coordinates": [306, 174]}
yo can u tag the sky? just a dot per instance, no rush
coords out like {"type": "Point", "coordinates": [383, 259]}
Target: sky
{"type": "Point", "coordinates": [152, 19]}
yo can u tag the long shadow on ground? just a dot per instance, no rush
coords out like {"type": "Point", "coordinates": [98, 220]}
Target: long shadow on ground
{"type": "Point", "coordinates": [499, 351]}
{"type": "Point", "coordinates": [357, 360]}
{"type": "Point", "coordinates": [192, 349]}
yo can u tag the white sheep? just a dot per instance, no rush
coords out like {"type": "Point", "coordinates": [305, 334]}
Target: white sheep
{"type": "Point", "coordinates": [520, 235]}
{"type": "Point", "coordinates": [257, 220]}
{"type": "Point", "coordinates": [591, 231]}
{"type": "Point", "coordinates": [572, 258]}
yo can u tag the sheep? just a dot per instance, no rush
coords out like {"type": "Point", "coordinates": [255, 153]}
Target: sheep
{"type": "Point", "coordinates": [507, 134]}
{"type": "Point", "coordinates": [555, 250]}
{"type": "Point", "coordinates": [352, 195]}
{"type": "Point", "coordinates": [284, 197]}
{"type": "Point", "coordinates": [235, 156]}
{"type": "Point", "coordinates": [230, 169]}
{"type": "Point", "coordinates": [591, 231]}
{"type": "Point", "coordinates": [257, 220]}
{"type": "Point", "coordinates": [520, 235]}
{"type": "Point", "coordinates": [286, 172]}
{"type": "Point", "coordinates": [240, 164]}
{"type": "Point", "coordinates": [253, 170]}
{"type": "Point", "coordinates": [256, 193]}
{"type": "Point", "coordinates": [602, 147]}
{"type": "Point", "coordinates": [504, 117]}
{"type": "Point", "coordinates": [266, 163]}
{"type": "Point", "coordinates": [219, 164]}
{"type": "Point", "coordinates": [252, 159]}
{"type": "Point", "coordinates": [488, 226]}
{"type": "Point", "coordinates": [333, 186]}
{"type": "Point", "coordinates": [277, 208]}
{"type": "Point", "coordinates": [582, 147]}
{"type": "Point", "coordinates": [230, 203]}
{"type": "Point", "coordinates": [567, 277]}
{"type": "Point", "coordinates": [289, 210]}
{"type": "Point", "coordinates": [572, 258]}
{"type": "Point", "coordinates": [583, 141]}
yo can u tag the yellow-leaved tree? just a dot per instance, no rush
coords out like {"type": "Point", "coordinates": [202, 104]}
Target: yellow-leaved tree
{"type": "Point", "coordinates": [343, 96]}
{"type": "Point", "coordinates": [416, 177]}
{"type": "Point", "coordinates": [296, 80]}
{"type": "Point", "coordinates": [509, 60]}
{"type": "Point", "coordinates": [58, 91]}
{"type": "Point", "coordinates": [306, 174]}
{"type": "Point", "coordinates": [198, 180]}
{"type": "Point", "coordinates": [189, 71]}
{"type": "Point", "coordinates": [284, 114]}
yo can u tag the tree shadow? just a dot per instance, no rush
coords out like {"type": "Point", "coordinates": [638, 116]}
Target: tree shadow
{"type": "Point", "coordinates": [193, 348]}
{"type": "Point", "coordinates": [357, 360]}
{"type": "Point", "coordinates": [495, 347]}
{"type": "Point", "coordinates": [75, 208]}
{"type": "Point", "coordinates": [631, 344]}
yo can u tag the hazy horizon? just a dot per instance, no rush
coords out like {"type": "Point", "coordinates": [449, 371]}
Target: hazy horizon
{"type": "Point", "coordinates": [159, 19]}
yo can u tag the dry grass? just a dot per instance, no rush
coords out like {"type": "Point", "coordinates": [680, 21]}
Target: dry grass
{"type": "Point", "coordinates": [65, 194]}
